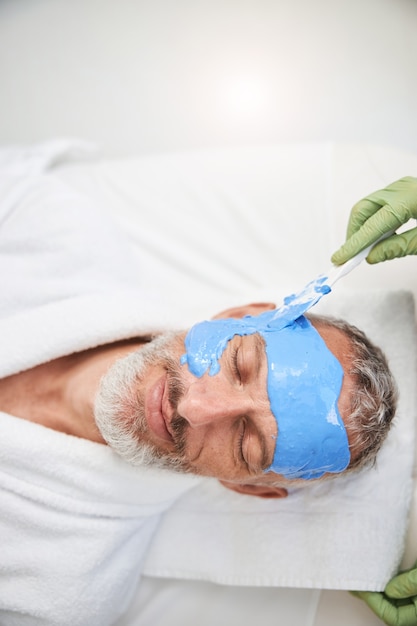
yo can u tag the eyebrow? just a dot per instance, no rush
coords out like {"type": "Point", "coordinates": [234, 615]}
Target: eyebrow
{"type": "Point", "coordinates": [260, 349]}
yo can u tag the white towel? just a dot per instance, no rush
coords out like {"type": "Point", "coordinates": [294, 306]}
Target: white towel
{"type": "Point", "coordinates": [85, 282]}
{"type": "Point", "coordinates": [75, 523]}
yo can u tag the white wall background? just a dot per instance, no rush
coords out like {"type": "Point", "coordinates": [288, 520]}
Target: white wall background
{"type": "Point", "coordinates": [142, 76]}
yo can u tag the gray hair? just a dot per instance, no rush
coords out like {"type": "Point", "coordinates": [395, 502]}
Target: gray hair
{"type": "Point", "coordinates": [374, 398]}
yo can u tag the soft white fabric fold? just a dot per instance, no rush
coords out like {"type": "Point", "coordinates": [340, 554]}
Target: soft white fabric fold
{"type": "Point", "coordinates": [84, 516]}
{"type": "Point", "coordinates": [75, 520]}
{"type": "Point", "coordinates": [75, 524]}
{"type": "Point", "coordinates": [69, 279]}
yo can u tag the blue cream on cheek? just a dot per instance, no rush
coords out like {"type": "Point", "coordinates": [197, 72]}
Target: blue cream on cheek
{"type": "Point", "coordinates": [304, 382]}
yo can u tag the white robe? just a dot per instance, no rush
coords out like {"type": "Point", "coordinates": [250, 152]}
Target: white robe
{"type": "Point", "coordinates": [75, 520]}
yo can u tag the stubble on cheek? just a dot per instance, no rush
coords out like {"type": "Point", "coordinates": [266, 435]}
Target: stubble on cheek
{"type": "Point", "coordinates": [132, 417]}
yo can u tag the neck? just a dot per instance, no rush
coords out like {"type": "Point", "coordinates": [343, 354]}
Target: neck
{"type": "Point", "coordinates": [60, 394]}
{"type": "Point", "coordinates": [82, 381]}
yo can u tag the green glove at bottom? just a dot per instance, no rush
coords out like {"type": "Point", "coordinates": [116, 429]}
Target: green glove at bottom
{"type": "Point", "coordinates": [397, 605]}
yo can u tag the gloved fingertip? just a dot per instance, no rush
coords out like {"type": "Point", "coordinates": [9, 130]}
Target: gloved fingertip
{"type": "Point", "coordinates": [337, 259]}
{"type": "Point", "coordinates": [374, 259]}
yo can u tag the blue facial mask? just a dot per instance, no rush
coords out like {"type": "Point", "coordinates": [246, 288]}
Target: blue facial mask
{"type": "Point", "coordinates": [303, 383]}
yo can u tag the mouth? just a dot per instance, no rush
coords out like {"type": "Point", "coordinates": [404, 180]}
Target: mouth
{"type": "Point", "coordinates": [157, 409]}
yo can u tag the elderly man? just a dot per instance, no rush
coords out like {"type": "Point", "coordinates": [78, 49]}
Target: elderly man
{"type": "Point", "coordinates": [151, 409]}
{"type": "Point", "coordinates": [260, 398]}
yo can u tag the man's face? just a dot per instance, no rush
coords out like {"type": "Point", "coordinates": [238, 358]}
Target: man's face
{"type": "Point", "coordinates": [220, 426]}
{"type": "Point", "coordinates": [229, 429]}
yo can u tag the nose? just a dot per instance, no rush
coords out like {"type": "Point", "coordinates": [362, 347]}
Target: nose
{"type": "Point", "coordinates": [203, 404]}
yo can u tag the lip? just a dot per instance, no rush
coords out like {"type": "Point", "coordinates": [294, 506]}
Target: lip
{"type": "Point", "coordinates": [154, 409]}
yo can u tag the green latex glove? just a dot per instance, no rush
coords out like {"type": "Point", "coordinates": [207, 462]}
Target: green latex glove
{"type": "Point", "coordinates": [377, 214]}
{"type": "Point", "coordinates": [397, 606]}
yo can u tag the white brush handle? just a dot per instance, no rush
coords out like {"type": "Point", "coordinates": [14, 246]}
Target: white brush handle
{"type": "Point", "coordinates": [337, 271]}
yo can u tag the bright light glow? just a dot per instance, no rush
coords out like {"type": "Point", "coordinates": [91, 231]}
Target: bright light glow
{"type": "Point", "coordinates": [245, 97]}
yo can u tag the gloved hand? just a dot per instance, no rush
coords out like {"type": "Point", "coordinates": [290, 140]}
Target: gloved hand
{"type": "Point", "coordinates": [377, 214]}
{"type": "Point", "coordinates": [397, 606]}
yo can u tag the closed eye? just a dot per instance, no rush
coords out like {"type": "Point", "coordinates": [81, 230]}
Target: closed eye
{"type": "Point", "coordinates": [244, 442]}
{"type": "Point", "coordinates": [241, 437]}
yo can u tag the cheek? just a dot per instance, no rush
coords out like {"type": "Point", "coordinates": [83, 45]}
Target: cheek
{"type": "Point", "coordinates": [212, 457]}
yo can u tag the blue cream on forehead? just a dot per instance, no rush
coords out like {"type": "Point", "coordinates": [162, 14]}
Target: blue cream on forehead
{"type": "Point", "coordinates": [303, 382]}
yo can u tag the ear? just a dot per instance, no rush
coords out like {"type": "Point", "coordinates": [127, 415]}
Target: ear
{"type": "Point", "coordinates": [261, 491]}
{"type": "Point", "coordinates": [254, 308]}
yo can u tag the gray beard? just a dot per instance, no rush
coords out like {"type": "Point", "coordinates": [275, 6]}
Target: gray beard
{"type": "Point", "coordinates": [119, 406]}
